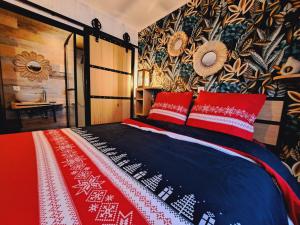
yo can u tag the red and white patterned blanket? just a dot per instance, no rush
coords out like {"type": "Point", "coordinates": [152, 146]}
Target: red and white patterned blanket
{"type": "Point", "coordinates": [57, 177]}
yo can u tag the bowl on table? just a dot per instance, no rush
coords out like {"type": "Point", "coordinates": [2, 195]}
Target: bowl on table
{"type": "Point", "coordinates": [28, 96]}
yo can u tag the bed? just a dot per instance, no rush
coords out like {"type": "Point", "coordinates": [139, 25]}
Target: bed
{"type": "Point", "coordinates": [189, 162]}
{"type": "Point", "coordinates": [142, 172]}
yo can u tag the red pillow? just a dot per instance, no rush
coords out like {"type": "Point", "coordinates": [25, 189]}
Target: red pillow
{"type": "Point", "coordinates": [232, 114]}
{"type": "Point", "coordinates": [171, 107]}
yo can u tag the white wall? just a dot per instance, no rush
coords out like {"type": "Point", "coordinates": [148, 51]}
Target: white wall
{"type": "Point", "coordinates": [82, 12]}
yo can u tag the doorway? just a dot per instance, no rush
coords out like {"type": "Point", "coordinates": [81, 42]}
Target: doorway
{"type": "Point", "coordinates": [82, 98]}
{"type": "Point", "coordinates": [41, 74]}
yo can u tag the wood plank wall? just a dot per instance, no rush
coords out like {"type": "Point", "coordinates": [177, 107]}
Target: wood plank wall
{"type": "Point", "coordinates": [17, 34]}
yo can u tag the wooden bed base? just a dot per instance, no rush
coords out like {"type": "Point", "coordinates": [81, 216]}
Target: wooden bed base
{"type": "Point", "coordinates": [269, 122]}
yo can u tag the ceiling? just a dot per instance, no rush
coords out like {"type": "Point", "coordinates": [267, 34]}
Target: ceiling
{"type": "Point", "coordinates": [137, 13]}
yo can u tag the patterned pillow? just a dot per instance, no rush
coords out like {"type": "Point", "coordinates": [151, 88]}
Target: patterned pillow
{"type": "Point", "coordinates": [171, 107]}
{"type": "Point", "coordinates": [232, 114]}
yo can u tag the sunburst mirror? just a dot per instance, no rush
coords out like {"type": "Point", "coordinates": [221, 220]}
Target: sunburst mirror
{"type": "Point", "coordinates": [32, 66]}
{"type": "Point", "coordinates": [209, 58]}
{"type": "Point", "coordinates": [177, 43]}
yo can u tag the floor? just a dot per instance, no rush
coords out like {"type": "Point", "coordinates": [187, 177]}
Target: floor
{"type": "Point", "coordinates": [36, 122]}
{"type": "Point", "coordinates": [43, 123]}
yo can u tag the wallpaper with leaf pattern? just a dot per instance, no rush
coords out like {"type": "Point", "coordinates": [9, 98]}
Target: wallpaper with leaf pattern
{"type": "Point", "coordinates": [263, 39]}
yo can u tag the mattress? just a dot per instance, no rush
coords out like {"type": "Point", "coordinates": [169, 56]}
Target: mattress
{"type": "Point", "coordinates": [143, 172]}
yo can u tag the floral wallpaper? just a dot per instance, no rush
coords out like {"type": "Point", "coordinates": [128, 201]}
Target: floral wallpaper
{"type": "Point", "coordinates": [263, 42]}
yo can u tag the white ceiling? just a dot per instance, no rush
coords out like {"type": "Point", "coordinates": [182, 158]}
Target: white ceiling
{"type": "Point", "coordinates": [137, 13]}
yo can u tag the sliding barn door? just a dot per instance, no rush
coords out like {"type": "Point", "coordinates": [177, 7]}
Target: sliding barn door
{"type": "Point", "coordinates": [110, 82]}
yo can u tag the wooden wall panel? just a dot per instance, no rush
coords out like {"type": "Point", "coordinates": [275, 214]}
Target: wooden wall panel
{"type": "Point", "coordinates": [107, 83]}
{"type": "Point", "coordinates": [17, 34]}
{"type": "Point", "coordinates": [271, 111]}
{"type": "Point", "coordinates": [266, 133]}
{"type": "Point", "coordinates": [109, 55]}
{"type": "Point", "coordinates": [9, 21]}
{"type": "Point", "coordinates": [109, 110]}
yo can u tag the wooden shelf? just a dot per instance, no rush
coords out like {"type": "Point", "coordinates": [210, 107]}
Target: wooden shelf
{"type": "Point", "coordinates": [153, 88]}
{"type": "Point", "coordinates": [142, 101]}
{"type": "Point", "coordinates": [148, 88]}
{"type": "Point", "coordinates": [139, 94]}
{"type": "Point", "coordinates": [138, 107]}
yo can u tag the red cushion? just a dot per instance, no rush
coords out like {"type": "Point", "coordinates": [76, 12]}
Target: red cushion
{"type": "Point", "coordinates": [232, 114]}
{"type": "Point", "coordinates": [171, 107]}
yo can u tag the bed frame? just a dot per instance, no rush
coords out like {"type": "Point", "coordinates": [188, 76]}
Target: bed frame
{"type": "Point", "coordinates": [269, 123]}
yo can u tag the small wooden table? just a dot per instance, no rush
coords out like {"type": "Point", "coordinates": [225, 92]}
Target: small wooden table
{"type": "Point", "coordinates": [42, 108]}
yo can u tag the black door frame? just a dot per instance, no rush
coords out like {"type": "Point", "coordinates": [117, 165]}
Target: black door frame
{"type": "Point", "coordinates": [75, 79]}
{"type": "Point", "coordinates": [73, 31]}
{"type": "Point", "coordinates": [85, 32]}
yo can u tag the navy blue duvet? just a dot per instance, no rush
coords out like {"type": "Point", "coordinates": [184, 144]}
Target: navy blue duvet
{"type": "Point", "coordinates": [202, 184]}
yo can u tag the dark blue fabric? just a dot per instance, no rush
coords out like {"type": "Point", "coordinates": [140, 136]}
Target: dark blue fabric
{"type": "Point", "coordinates": [230, 141]}
{"type": "Point", "coordinates": [231, 190]}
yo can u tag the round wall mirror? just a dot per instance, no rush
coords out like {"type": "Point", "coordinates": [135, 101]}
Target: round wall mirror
{"type": "Point", "coordinates": [209, 59]}
{"type": "Point", "coordinates": [34, 66]}
{"type": "Point", "coordinates": [178, 44]}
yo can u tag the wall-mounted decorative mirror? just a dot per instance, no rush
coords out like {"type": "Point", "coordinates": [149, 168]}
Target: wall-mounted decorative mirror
{"type": "Point", "coordinates": [177, 43]}
{"type": "Point", "coordinates": [32, 66]}
{"type": "Point", "coordinates": [209, 58]}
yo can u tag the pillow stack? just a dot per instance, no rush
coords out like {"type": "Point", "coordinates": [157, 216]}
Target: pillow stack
{"type": "Point", "coordinates": [228, 113]}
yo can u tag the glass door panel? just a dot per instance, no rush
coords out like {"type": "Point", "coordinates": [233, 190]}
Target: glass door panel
{"type": "Point", "coordinates": [70, 73]}
{"type": "Point", "coordinates": [80, 81]}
